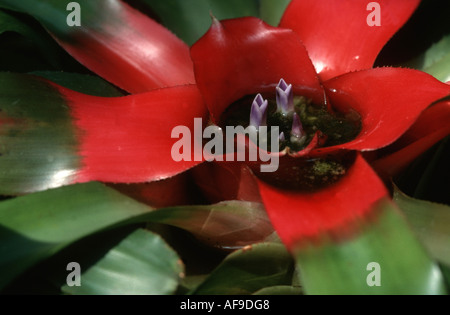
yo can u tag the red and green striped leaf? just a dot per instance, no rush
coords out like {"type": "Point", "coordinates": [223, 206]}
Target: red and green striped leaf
{"type": "Point", "coordinates": [116, 41]}
{"type": "Point", "coordinates": [383, 258]}
{"type": "Point", "coordinates": [38, 144]}
{"type": "Point", "coordinates": [302, 215]}
{"type": "Point", "coordinates": [52, 136]}
{"type": "Point", "coordinates": [339, 233]}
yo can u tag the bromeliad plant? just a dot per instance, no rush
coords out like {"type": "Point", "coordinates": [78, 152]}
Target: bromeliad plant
{"type": "Point", "coordinates": [344, 128]}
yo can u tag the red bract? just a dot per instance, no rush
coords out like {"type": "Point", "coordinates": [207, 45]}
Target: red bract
{"type": "Point", "coordinates": [119, 144]}
{"type": "Point", "coordinates": [298, 216]}
{"type": "Point", "coordinates": [249, 57]}
{"type": "Point", "coordinates": [336, 33]}
{"type": "Point", "coordinates": [431, 127]}
{"type": "Point", "coordinates": [325, 49]}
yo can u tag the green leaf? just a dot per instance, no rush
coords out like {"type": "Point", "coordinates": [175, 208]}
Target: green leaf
{"type": "Point", "coordinates": [9, 23]}
{"type": "Point", "coordinates": [189, 20]}
{"type": "Point", "coordinates": [189, 283]}
{"type": "Point", "coordinates": [446, 272]}
{"type": "Point", "coordinates": [433, 184]}
{"type": "Point", "coordinates": [83, 83]}
{"type": "Point", "coordinates": [431, 223]}
{"type": "Point", "coordinates": [437, 60]}
{"type": "Point", "coordinates": [39, 143]}
{"type": "Point", "coordinates": [426, 177]}
{"type": "Point", "coordinates": [226, 225]}
{"type": "Point", "coordinates": [280, 290]}
{"type": "Point", "coordinates": [142, 263]}
{"type": "Point", "coordinates": [383, 258]}
{"type": "Point", "coordinates": [35, 40]}
{"type": "Point", "coordinates": [38, 148]}
{"type": "Point", "coordinates": [271, 11]}
{"type": "Point", "coordinates": [36, 226]}
{"type": "Point", "coordinates": [53, 14]}
{"type": "Point", "coordinates": [249, 270]}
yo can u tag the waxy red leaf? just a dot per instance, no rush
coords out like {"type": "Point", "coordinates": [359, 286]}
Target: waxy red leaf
{"type": "Point", "coordinates": [246, 56]}
{"type": "Point", "coordinates": [337, 34]}
{"type": "Point", "coordinates": [433, 119]}
{"type": "Point", "coordinates": [432, 126]}
{"type": "Point", "coordinates": [129, 49]}
{"type": "Point", "coordinates": [297, 216]}
{"type": "Point", "coordinates": [389, 101]}
{"type": "Point", "coordinates": [129, 139]}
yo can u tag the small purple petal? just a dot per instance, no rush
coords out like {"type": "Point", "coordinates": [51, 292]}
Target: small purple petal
{"type": "Point", "coordinates": [259, 100]}
{"type": "Point", "coordinates": [282, 85]}
{"type": "Point", "coordinates": [297, 127]}
{"type": "Point", "coordinates": [285, 97]}
{"type": "Point", "coordinates": [282, 137]}
{"type": "Point", "coordinates": [258, 112]}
